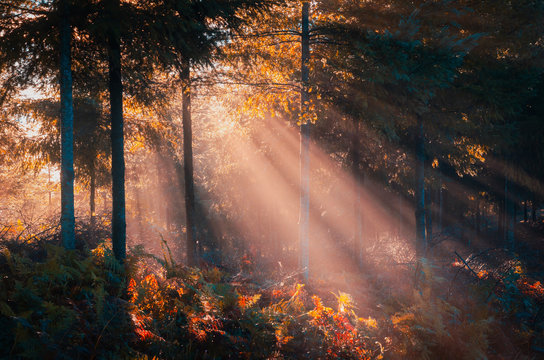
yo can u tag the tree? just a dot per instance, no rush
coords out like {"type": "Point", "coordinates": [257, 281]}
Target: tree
{"type": "Point", "coordinates": [304, 220]}
{"type": "Point", "coordinates": [396, 70]}
{"type": "Point", "coordinates": [197, 34]}
{"type": "Point", "coordinates": [115, 86]}
{"type": "Point", "coordinates": [22, 18]}
{"type": "Point", "coordinates": [188, 164]}
{"type": "Point", "coordinates": [67, 130]}
{"type": "Point", "coordinates": [91, 151]}
{"type": "Point", "coordinates": [421, 243]}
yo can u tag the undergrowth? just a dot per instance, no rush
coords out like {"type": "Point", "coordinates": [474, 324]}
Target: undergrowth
{"type": "Point", "coordinates": [82, 304]}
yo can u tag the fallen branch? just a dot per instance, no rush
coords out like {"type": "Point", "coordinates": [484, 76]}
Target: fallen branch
{"type": "Point", "coordinates": [464, 262]}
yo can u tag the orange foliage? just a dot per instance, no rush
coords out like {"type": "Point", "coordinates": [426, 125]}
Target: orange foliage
{"type": "Point", "coordinates": [202, 324]}
{"type": "Point", "coordinates": [341, 334]}
{"type": "Point", "coordinates": [535, 289]}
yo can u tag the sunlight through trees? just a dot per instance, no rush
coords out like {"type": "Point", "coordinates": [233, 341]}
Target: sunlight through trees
{"type": "Point", "coordinates": [271, 179]}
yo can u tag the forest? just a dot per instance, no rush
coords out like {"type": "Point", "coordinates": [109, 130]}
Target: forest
{"type": "Point", "coordinates": [272, 179]}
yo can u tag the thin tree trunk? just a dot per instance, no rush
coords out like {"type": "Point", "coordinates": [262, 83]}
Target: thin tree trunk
{"type": "Point", "coordinates": [525, 212]}
{"type": "Point", "coordinates": [93, 197]}
{"type": "Point", "coordinates": [401, 216]}
{"type": "Point", "coordinates": [117, 137]}
{"type": "Point", "coordinates": [440, 205]}
{"type": "Point", "coordinates": [478, 217]}
{"type": "Point", "coordinates": [49, 182]}
{"type": "Point", "coordinates": [421, 243]}
{"type": "Point", "coordinates": [304, 218]}
{"type": "Point", "coordinates": [67, 131]}
{"type": "Point", "coordinates": [361, 221]}
{"type": "Point", "coordinates": [484, 218]}
{"type": "Point", "coordinates": [355, 157]}
{"type": "Point", "coordinates": [500, 219]}
{"type": "Point", "coordinates": [191, 241]}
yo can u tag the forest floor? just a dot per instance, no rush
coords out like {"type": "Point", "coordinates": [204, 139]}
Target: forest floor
{"type": "Point", "coordinates": [461, 303]}
{"type": "Point", "coordinates": [462, 273]}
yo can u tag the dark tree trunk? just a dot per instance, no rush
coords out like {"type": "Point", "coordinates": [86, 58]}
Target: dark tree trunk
{"type": "Point", "coordinates": [67, 131]}
{"type": "Point", "coordinates": [355, 158]}
{"type": "Point", "coordinates": [401, 217]}
{"type": "Point", "coordinates": [421, 244]}
{"type": "Point", "coordinates": [484, 218]}
{"type": "Point", "coordinates": [362, 222]}
{"type": "Point", "coordinates": [304, 217]}
{"type": "Point", "coordinates": [500, 220]}
{"type": "Point", "coordinates": [49, 182]}
{"type": "Point", "coordinates": [525, 212]}
{"type": "Point", "coordinates": [478, 217]}
{"type": "Point", "coordinates": [118, 236]}
{"type": "Point", "coordinates": [191, 241]}
{"type": "Point", "coordinates": [93, 196]}
{"type": "Point", "coordinates": [440, 205]}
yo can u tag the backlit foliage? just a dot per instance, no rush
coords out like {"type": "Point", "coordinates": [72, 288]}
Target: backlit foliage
{"type": "Point", "coordinates": [70, 304]}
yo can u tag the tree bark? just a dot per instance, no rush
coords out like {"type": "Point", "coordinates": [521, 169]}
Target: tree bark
{"type": "Point", "coordinates": [67, 131]}
{"type": "Point", "coordinates": [484, 218]}
{"type": "Point", "coordinates": [421, 244]}
{"type": "Point", "coordinates": [49, 182]}
{"type": "Point", "coordinates": [117, 137]}
{"type": "Point", "coordinates": [361, 221]}
{"type": "Point", "coordinates": [304, 216]}
{"type": "Point", "coordinates": [401, 217]}
{"type": "Point", "coordinates": [355, 158]}
{"type": "Point", "coordinates": [191, 241]}
{"type": "Point", "coordinates": [93, 196]}
{"type": "Point", "coordinates": [440, 205]}
{"type": "Point", "coordinates": [478, 216]}
{"type": "Point", "coordinates": [500, 219]}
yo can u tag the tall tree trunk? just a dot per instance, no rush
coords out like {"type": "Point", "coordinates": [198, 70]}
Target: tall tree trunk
{"type": "Point", "coordinates": [118, 236]}
{"type": "Point", "coordinates": [478, 216]}
{"type": "Point", "coordinates": [355, 158]}
{"type": "Point", "coordinates": [440, 204]}
{"type": "Point", "coordinates": [401, 217]}
{"type": "Point", "coordinates": [191, 241]}
{"type": "Point", "coordinates": [484, 217]}
{"type": "Point", "coordinates": [93, 196]}
{"type": "Point", "coordinates": [304, 217]}
{"type": "Point", "coordinates": [500, 220]}
{"type": "Point", "coordinates": [49, 181]}
{"type": "Point", "coordinates": [67, 221]}
{"type": "Point", "coordinates": [421, 244]}
{"type": "Point", "coordinates": [525, 212]}
{"type": "Point", "coordinates": [362, 223]}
